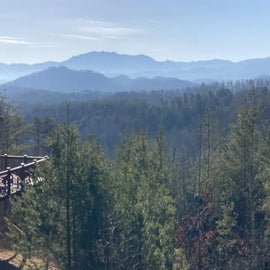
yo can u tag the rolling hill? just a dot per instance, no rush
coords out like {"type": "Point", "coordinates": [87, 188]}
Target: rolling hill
{"type": "Point", "coordinates": [65, 80]}
{"type": "Point", "coordinates": [62, 79]}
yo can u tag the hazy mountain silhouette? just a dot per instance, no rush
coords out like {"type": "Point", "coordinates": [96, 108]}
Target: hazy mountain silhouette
{"type": "Point", "coordinates": [13, 71]}
{"type": "Point", "coordinates": [64, 80]}
{"type": "Point", "coordinates": [112, 64]}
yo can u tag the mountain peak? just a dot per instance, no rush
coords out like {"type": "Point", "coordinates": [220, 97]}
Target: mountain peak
{"type": "Point", "coordinates": [63, 79]}
{"type": "Point", "coordinates": [110, 63]}
{"type": "Point", "coordinates": [107, 54]}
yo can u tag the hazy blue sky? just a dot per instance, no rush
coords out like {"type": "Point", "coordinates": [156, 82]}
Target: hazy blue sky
{"type": "Point", "coordinates": [180, 30]}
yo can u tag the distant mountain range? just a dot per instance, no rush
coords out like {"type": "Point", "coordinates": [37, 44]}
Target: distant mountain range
{"type": "Point", "coordinates": [134, 66]}
{"type": "Point", "coordinates": [65, 80]}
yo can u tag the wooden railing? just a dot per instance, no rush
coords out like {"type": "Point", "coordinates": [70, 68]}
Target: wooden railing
{"type": "Point", "coordinates": [15, 171]}
{"type": "Point", "coordinates": [14, 161]}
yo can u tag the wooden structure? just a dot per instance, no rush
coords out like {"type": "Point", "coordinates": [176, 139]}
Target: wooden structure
{"type": "Point", "coordinates": [15, 172]}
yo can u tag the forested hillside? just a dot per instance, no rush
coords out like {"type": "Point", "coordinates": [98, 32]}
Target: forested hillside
{"type": "Point", "coordinates": [180, 112]}
{"type": "Point", "coordinates": [169, 179]}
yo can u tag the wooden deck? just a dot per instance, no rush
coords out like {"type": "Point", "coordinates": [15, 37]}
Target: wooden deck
{"type": "Point", "coordinates": [15, 172]}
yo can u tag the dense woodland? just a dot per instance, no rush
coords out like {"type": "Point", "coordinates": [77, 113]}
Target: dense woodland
{"type": "Point", "coordinates": [146, 180]}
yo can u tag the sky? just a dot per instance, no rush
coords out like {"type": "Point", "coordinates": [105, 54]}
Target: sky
{"type": "Point", "coordinates": [33, 31]}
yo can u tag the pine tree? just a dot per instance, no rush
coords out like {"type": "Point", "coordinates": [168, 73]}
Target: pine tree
{"type": "Point", "coordinates": [66, 213]}
{"type": "Point", "coordinates": [264, 174]}
{"type": "Point", "coordinates": [246, 191]}
{"type": "Point", "coordinates": [143, 204]}
{"type": "Point", "coordinates": [12, 129]}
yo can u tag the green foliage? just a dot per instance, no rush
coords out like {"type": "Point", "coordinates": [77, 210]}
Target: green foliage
{"type": "Point", "coordinates": [228, 244]}
{"type": "Point", "coordinates": [177, 112]}
{"type": "Point", "coordinates": [180, 260]}
{"type": "Point", "coordinates": [64, 213]}
{"type": "Point", "coordinates": [143, 204]}
{"type": "Point", "coordinates": [12, 129]}
{"type": "Point", "coordinates": [199, 202]}
{"type": "Point", "coordinates": [41, 129]}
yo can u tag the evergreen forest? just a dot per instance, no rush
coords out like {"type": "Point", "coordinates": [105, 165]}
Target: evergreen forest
{"type": "Point", "coordinates": [156, 180]}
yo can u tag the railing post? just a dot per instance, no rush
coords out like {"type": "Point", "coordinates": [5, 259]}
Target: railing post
{"type": "Point", "coordinates": [17, 182]}
{"type": "Point", "coordinates": [8, 181]}
{"type": "Point", "coordinates": [6, 161]}
{"type": "Point", "coordinates": [22, 173]}
{"type": "Point", "coordinates": [25, 159]}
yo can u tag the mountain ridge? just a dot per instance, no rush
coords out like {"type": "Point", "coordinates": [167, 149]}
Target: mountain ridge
{"type": "Point", "coordinates": [65, 80]}
{"type": "Point", "coordinates": [113, 64]}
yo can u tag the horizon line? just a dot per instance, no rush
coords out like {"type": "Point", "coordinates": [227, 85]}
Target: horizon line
{"type": "Point", "coordinates": [138, 54]}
